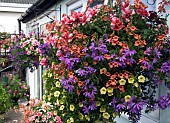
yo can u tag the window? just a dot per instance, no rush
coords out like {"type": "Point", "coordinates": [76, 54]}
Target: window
{"type": "Point", "coordinates": [97, 2]}
{"type": "Point", "coordinates": [76, 5]}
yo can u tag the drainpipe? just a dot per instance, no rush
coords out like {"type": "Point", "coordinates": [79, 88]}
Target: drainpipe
{"type": "Point", "coordinates": [19, 26]}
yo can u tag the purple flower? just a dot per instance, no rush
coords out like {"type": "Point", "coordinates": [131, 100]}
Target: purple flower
{"type": "Point", "coordinates": [114, 102]}
{"type": "Point", "coordinates": [134, 108]}
{"type": "Point", "coordinates": [165, 68]}
{"type": "Point", "coordinates": [99, 58]}
{"type": "Point", "coordinates": [92, 106]}
{"type": "Point", "coordinates": [158, 53]}
{"type": "Point", "coordinates": [68, 84]}
{"type": "Point", "coordinates": [164, 101]}
{"type": "Point", "coordinates": [121, 58]}
{"type": "Point", "coordinates": [120, 107]}
{"type": "Point", "coordinates": [147, 65]}
{"type": "Point", "coordinates": [127, 52]}
{"type": "Point", "coordinates": [44, 48]}
{"type": "Point", "coordinates": [85, 109]}
{"type": "Point", "coordinates": [148, 51]}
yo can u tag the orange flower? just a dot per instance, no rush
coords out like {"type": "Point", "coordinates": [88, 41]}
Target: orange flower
{"type": "Point", "coordinates": [133, 28]}
{"type": "Point", "coordinates": [110, 64]}
{"type": "Point", "coordinates": [70, 74]}
{"type": "Point", "coordinates": [137, 43]}
{"type": "Point", "coordinates": [120, 75]}
{"type": "Point", "coordinates": [80, 83]}
{"type": "Point", "coordinates": [136, 36]}
{"type": "Point", "coordinates": [114, 42]}
{"type": "Point", "coordinates": [86, 63]}
{"type": "Point", "coordinates": [113, 77]}
{"type": "Point", "coordinates": [107, 56]}
{"type": "Point", "coordinates": [121, 88]}
{"type": "Point", "coordinates": [108, 74]}
{"type": "Point", "coordinates": [115, 64]}
{"type": "Point", "coordinates": [115, 38]}
{"type": "Point", "coordinates": [94, 62]}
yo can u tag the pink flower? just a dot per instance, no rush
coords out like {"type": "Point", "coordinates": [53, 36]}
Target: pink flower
{"type": "Point", "coordinates": [43, 61]}
{"type": "Point", "coordinates": [28, 52]}
{"type": "Point", "coordinates": [37, 50]}
{"type": "Point", "coordinates": [43, 119]}
{"type": "Point", "coordinates": [116, 24]}
{"type": "Point", "coordinates": [31, 48]}
{"type": "Point", "coordinates": [126, 11]}
{"type": "Point", "coordinates": [32, 118]}
{"type": "Point", "coordinates": [58, 119]}
{"type": "Point", "coordinates": [39, 114]}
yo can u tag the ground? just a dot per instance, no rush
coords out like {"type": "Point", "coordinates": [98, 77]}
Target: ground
{"type": "Point", "coordinates": [12, 117]}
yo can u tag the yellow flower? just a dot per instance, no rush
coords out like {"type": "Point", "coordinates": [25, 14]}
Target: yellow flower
{"type": "Point", "coordinates": [127, 98]}
{"type": "Point", "coordinates": [57, 94]}
{"type": "Point", "coordinates": [87, 117]}
{"type": "Point", "coordinates": [72, 107]}
{"type": "Point", "coordinates": [98, 121]}
{"type": "Point", "coordinates": [141, 78]}
{"type": "Point", "coordinates": [115, 114]}
{"type": "Point", "coordinates": [106, 115]}
{"type": "Point", "coordinates": [68, 121]}
{"type": "Point", "coordinates": [81, 116]}
{"type": "Point", "coordinates": [61, 107]}
{"type": "Point", "coordinates": [136, 84]}
{"type": "Point", "coordinates": [71, 119]}
{"type": "Point", "coordinates": [102, 109]}
{"type": "Point", "coordinates": [131, 80]}
{"type": "Point", "coordinates": [57, 84]}
{"type": "Point", "coordinates": [110, 90]}
{"type": "Point", "coordinates": [55, 112]}
{"type": "Point", "coordinates": [103, 90]}
{"type": "Point", "coordinates": [122, 82]}
{"type": "Point", "coordinates": [110, 94]}
{"type": "Point", "coordinates": [44, 97]}
{"type": "Point", "coordinates": [61, 102]}
{"type": "Point", "coordinates": [103, 71]}
{"type": "Point", "coordinates": [98, 103]}
{"type": "Point", "coordinates": [49, 97]}
{"type": "Point", "coordinates": [80, 104]}
{"type": "Point", "coordinates": [50, 75]}
{"type": "Point", "coordinates": [57, 102]}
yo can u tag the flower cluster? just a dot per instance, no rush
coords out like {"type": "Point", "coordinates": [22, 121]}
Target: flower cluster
{"type": "Point", "coordinates": [38, 111]}
{"type": "Point", "coordinates": [110, 60]}
{"type": "Point", "coordinates": [17, 89]}
{"type": "Point", "coordinates": [24, 52]}
{"type": "Point", "coordinates": [5, 40]}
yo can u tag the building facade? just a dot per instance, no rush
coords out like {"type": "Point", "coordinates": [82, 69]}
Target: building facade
{"type": "Point", "coordinates": [10, 11]}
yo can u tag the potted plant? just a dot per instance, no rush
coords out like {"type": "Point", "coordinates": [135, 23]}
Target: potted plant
{"type": "Point", "coordinates": [111, 60]}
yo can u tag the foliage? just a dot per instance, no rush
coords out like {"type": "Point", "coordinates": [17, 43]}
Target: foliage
{"type": "Point", "coordinates": [4, 100]}
{"type": "Point", "coordinates": [38, 111]}
{"type": "Point", "coordinates": [17, 89]}
{"type": "Point", "coordinates": [111, 60]}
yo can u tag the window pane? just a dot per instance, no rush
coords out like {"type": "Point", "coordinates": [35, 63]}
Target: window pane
{"type": "Point", "coordinates": [79, 9]}
{"type": "Point", "coordinates": [96, 2]}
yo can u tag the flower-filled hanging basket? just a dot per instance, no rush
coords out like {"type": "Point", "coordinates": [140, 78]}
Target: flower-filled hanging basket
{"type": "Point", "coordinates": [111, 60]}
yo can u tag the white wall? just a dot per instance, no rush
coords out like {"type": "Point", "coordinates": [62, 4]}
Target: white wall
{"type": "Point", "coordinates": [9, 21]}
{"type": "Point", "coordinates": [9, 13]}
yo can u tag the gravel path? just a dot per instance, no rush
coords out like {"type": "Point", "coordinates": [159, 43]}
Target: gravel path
{"type": "Point", "coordinates": [13, 117]}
